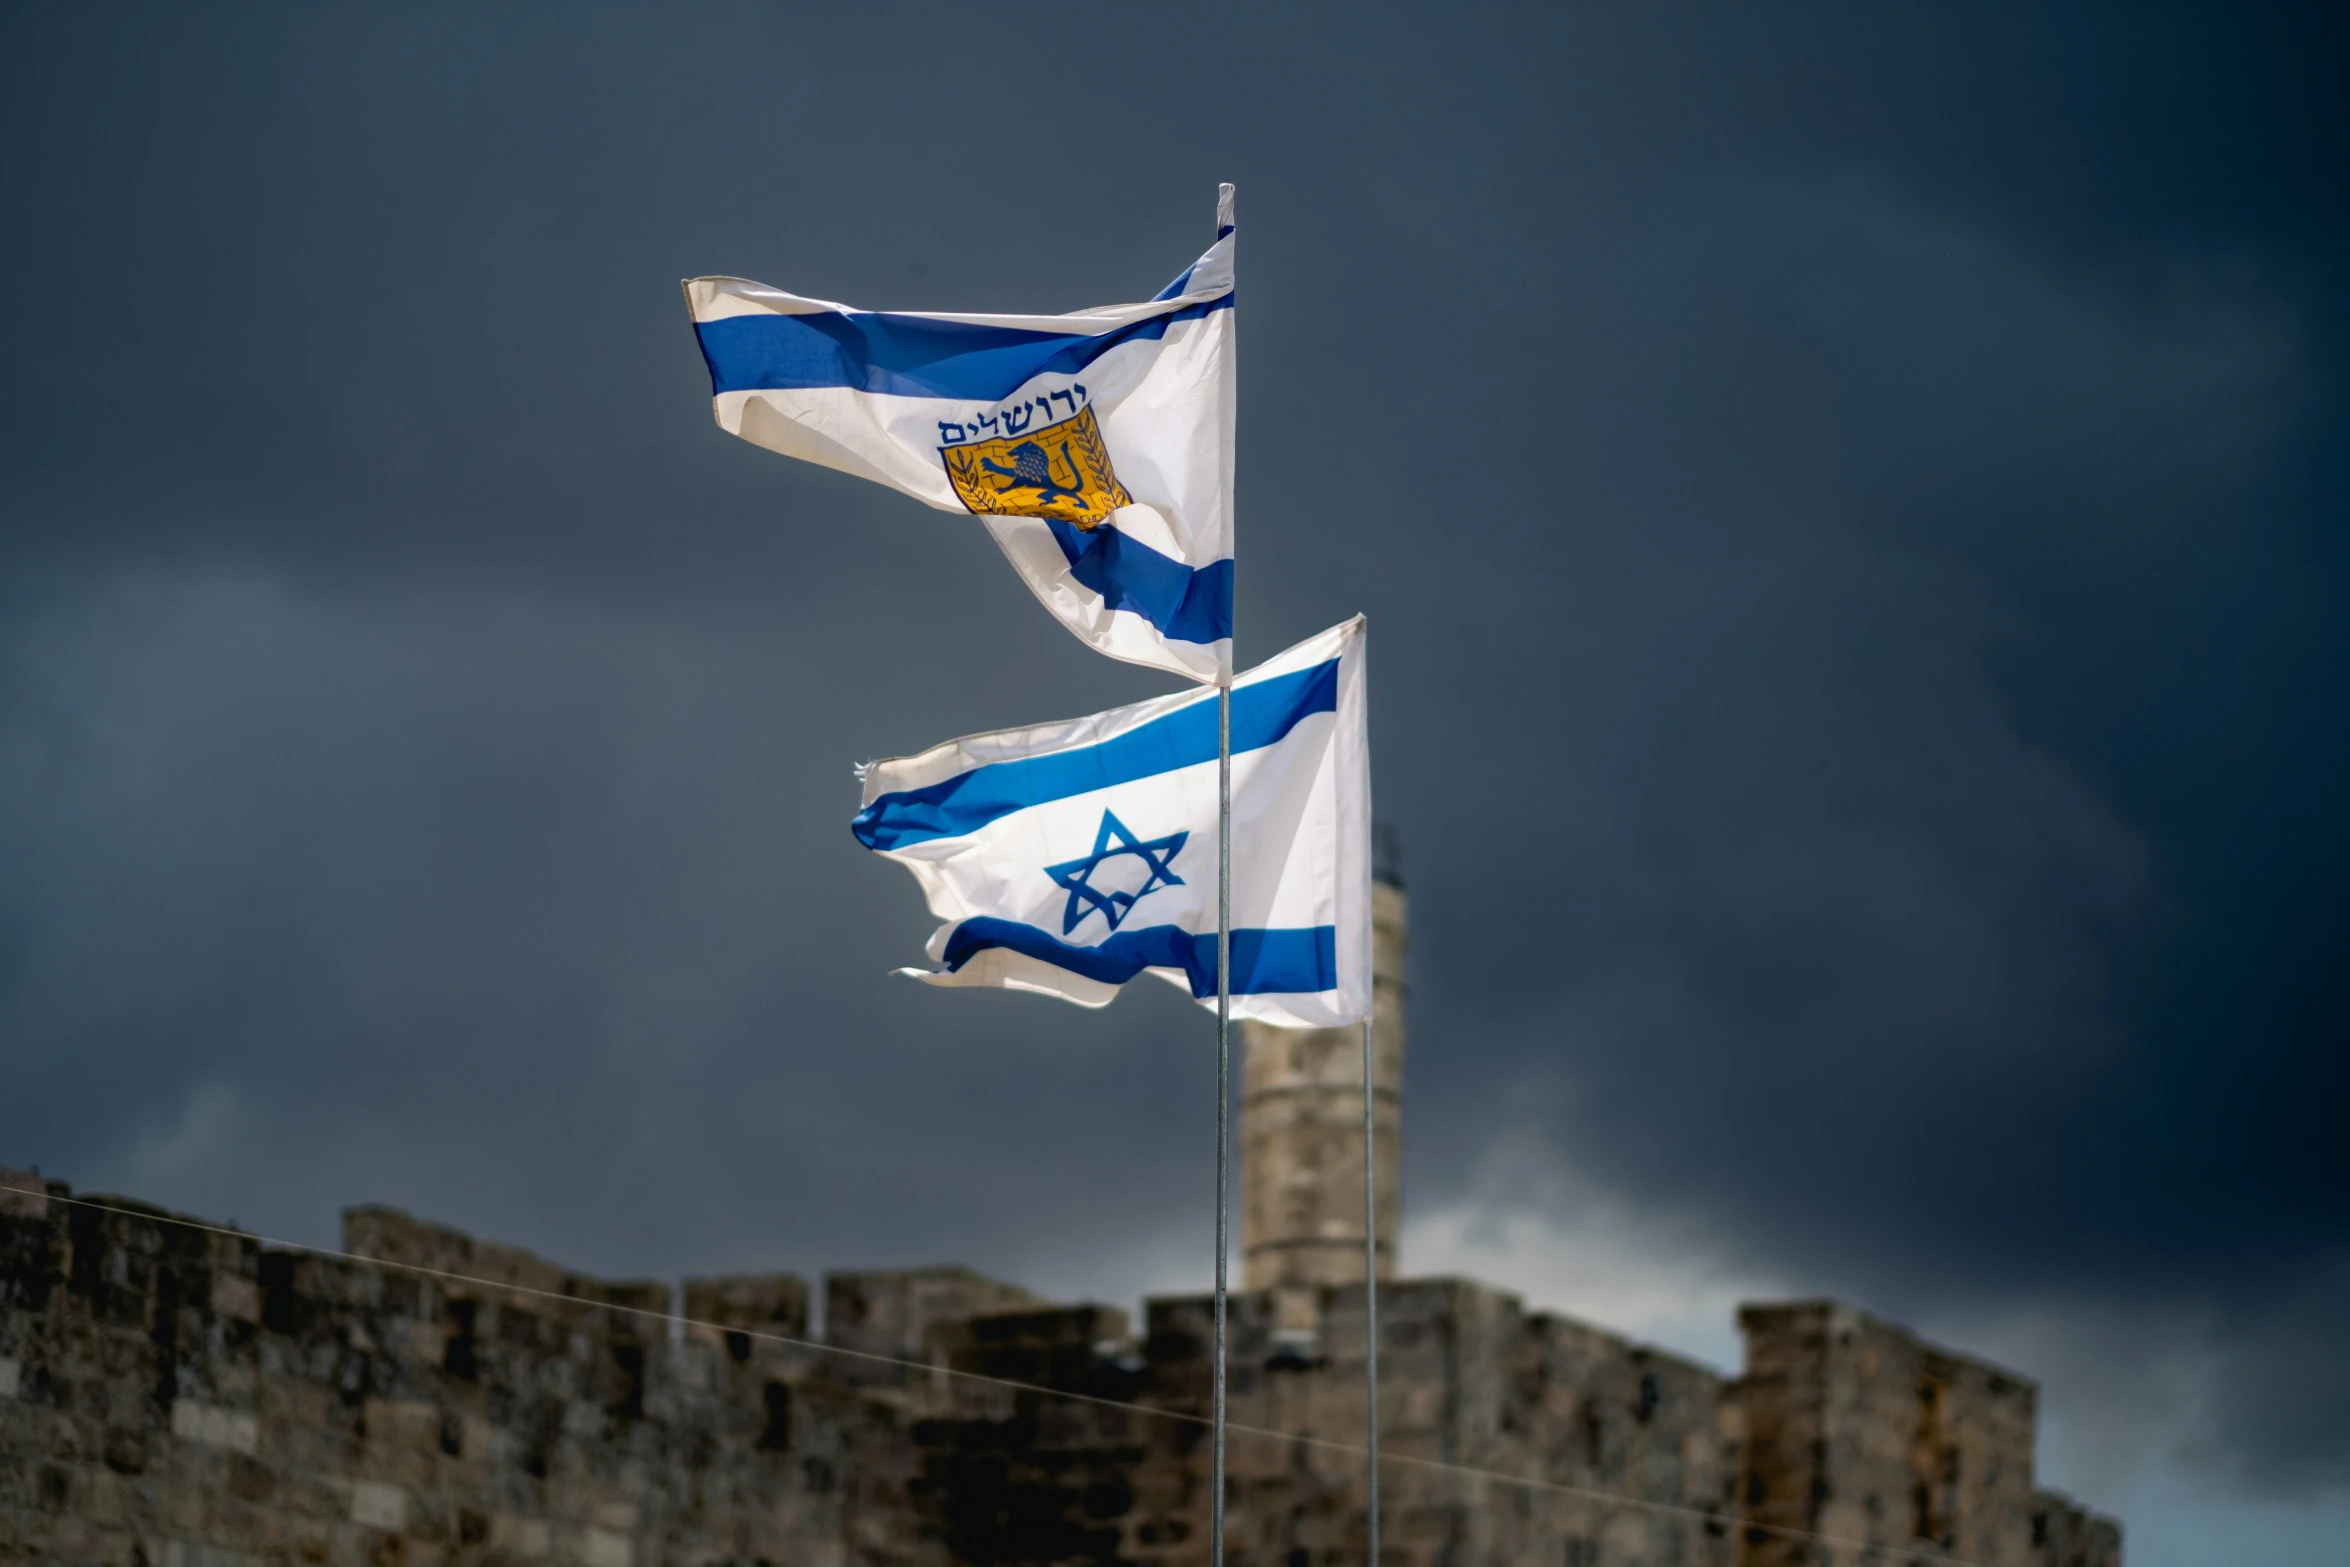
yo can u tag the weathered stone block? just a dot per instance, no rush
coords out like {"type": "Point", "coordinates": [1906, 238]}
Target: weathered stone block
{"type": "Point", "coordinates": [378, 1506]}
{"type": "Point", "coordinates": [214, 1426]}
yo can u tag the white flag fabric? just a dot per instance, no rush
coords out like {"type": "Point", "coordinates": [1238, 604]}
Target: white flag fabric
{"type": "Point", "coordinates": [1095, 447]}
{"type": "Point", "coordinates": [1069, 857]}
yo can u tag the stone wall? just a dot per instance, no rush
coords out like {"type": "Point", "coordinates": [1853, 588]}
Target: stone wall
{"type": "Point", "coordinates": [1469, 1382]}
{"type": "Point", "coordinates": [2065, 1534]}
{"type": "Point", "coordinates": [177, 1398]}
{"type": "Point", "coordinates": [170, 1395]}
{"type": "Point", "coordinates": [893, 1316]}
{"type": "Point", "coordinates": [1859, 1431]}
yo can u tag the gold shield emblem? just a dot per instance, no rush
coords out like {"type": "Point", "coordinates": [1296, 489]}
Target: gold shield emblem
{"type": "Point", "coordinates": [1061, 471]}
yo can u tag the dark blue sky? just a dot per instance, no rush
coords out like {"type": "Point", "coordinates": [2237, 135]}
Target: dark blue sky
{"type": "Point", "coordinates": [1847, 501]}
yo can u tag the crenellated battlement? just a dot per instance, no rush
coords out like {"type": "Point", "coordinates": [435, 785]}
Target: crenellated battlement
{"type": "Point", "coordinates": [177, 1394]}
{"type": "Point", "coordinates": [174, 1395]}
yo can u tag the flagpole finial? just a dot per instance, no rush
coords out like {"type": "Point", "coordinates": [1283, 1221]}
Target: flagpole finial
{"type": "Point", "coordinates": [1223, 210]}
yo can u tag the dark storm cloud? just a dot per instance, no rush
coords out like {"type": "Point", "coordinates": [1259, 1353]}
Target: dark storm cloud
{"type": "Point", "coordinates": [1843, 498]}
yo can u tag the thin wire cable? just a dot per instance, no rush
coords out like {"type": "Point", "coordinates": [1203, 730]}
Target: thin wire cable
{"type": "Point", "coordinates": [140, 1211]}
{"type": "Point", "coordinates": [1223, 1095]}
{"type": "Point", "coordinates": [1371, 1279]}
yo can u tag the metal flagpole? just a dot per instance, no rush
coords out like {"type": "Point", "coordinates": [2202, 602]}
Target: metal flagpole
{"type": "Point", "coordinates": [1223, 1091]}
{"type": "Point", "coordinates": [1223, 1035]}
{"type": "Point", "coordinates": [1371, 1279]}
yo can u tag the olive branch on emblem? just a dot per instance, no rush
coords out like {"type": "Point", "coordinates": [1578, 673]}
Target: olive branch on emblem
{"type": "Point", "coordinates": [987, 475]}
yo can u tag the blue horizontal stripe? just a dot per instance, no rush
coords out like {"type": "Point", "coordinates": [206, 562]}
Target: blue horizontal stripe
{"type": "Point", "coordinates": [1262, 713]}
{"type": "Point", "coordinates": [1182, 281]}
{"type": "Point", "coordinates": [1185, 605]}
{"type": "Point", "coordinates": [1264, 962]}
{"type": "Point", "coordinates": [905, 356]}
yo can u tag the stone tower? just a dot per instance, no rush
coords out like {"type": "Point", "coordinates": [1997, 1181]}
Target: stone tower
{"type": "Point", "coordinates": [1301, 1125]}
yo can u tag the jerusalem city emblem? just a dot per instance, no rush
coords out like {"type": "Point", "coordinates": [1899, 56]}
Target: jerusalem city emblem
{"type": "Point", "coordinates": [1058, 471]}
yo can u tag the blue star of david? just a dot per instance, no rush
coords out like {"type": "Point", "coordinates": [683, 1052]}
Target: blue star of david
{"type": "Point", "coordinates": [1077, 874]}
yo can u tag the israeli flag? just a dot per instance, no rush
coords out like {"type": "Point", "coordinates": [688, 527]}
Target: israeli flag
{"type": "Point", "coordinates": [1067, 858]}
{"type": "Point", "coordinates": [1095, 447]}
